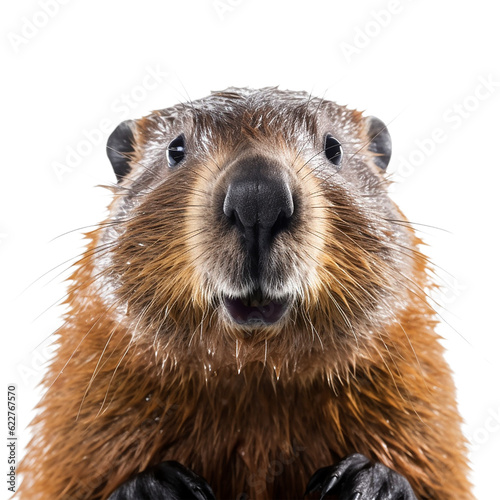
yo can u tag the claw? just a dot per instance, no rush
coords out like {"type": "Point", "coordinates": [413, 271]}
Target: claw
{"type": "Point", "coordinates": [316, 481]}
{"type": "Point", "coordinates": [329, 487]}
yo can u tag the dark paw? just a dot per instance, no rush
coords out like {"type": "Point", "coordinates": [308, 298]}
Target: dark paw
{"type": "Point", "coordinates": [166, 481]}
{"type": "Point", "coordinates": [356, 478]}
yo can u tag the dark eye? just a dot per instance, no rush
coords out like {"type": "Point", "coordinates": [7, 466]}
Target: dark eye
{"type": "Point", "coordinates": [333, 150]}
{"type": "Point", "coordinates": [176, 151]}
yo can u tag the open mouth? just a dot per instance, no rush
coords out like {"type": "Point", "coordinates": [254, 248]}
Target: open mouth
{"type": "Point", "coordinates": [256, 309]}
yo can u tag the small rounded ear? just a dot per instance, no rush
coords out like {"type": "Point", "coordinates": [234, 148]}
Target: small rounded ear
{"type": "Point", "coordinates": [380, 142]}
{"type": "Point", "coordinates": [119, 148]}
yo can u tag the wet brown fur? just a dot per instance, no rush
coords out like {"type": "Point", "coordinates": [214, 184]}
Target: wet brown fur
{"type": "Point", "coordinates": [153, 370]}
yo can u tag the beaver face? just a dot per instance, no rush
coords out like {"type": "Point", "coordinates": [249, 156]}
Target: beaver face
{"type": "Point", "coordinates": [259, 212]}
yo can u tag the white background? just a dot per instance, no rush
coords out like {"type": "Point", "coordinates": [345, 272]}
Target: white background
{"type": "Point", "coordinates": [75, 73]}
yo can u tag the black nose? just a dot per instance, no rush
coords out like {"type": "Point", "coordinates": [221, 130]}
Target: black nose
{"type": "Point", "coordinates": [259, 202]}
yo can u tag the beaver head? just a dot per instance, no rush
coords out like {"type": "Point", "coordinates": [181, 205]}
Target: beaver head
{"type": "Point", "coordinates": [254, 226]}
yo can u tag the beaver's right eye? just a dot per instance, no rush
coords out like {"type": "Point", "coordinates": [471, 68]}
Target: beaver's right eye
{"type": "Point", "coordinates": [333, 150]}
{"type": "Point", "coordinates": [176, 151]}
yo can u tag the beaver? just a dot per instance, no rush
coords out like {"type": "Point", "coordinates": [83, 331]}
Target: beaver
{"type": "Point", "coordinates": [252, 321]}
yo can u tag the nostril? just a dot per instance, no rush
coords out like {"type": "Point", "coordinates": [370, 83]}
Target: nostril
{"type": "Point", "coordinates": [282, 222]}
{"type": "Point", "coordinates": [287, 202]}
{"type": "Point", "coordinates": [275, 204]}
{"type": "Point", "coordinates": [236, 221]}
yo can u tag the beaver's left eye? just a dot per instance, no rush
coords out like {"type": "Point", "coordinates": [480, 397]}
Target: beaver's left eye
{"type": "Point", "coordinates": [176, 151]}
{"type": "Point", "coordinates": [333, 150]}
